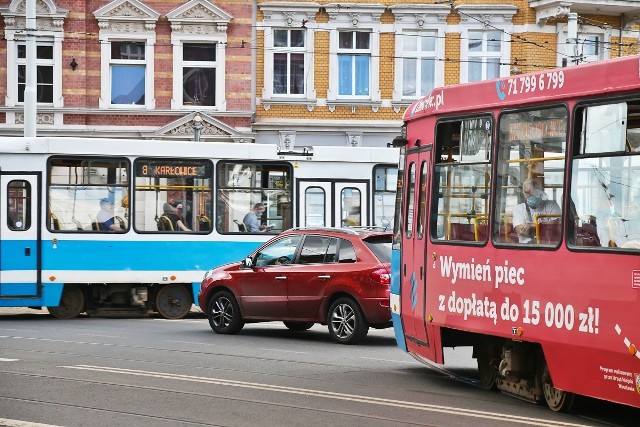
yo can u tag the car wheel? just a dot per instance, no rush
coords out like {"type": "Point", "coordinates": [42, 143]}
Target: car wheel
{"type": "Point", "coordinates": [71, 303]}
{"type": "Point", "coordinates": [224, 313]}
{"type": "Point", "coordinates": [346, 321]}
{"type": "Point", "coordinates": [298, 326]}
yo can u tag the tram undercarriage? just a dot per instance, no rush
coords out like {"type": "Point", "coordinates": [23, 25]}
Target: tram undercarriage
{"type": "Point", "coordinates": [173, 301]}
{"type": "Point", "coordinates": [519, 369]}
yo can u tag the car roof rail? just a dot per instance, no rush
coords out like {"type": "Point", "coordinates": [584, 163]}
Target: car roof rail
{"type": "Point", "coordinates": [347, 229]}
{"type": "Point", "coordinates": [368, 227]}
{"type": "Point", "coordinates": [337, 229]}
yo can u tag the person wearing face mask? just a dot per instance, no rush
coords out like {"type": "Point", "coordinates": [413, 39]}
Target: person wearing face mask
{"type": "Point", "coordinates": [535, 204]}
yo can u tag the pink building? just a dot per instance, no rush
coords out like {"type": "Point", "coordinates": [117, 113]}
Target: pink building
{"type": "Point", "coordinates": [128, 68]}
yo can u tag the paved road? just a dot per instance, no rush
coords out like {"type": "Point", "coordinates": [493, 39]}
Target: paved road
{"type": "Point", "coordinates": [151, 371]}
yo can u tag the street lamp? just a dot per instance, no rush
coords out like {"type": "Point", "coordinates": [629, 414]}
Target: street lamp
{"type": "Point", "coordinates": [197, 127]}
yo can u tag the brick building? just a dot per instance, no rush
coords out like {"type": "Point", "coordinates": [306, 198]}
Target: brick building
{"type": "Point", "coordinates": [343, 73]}
{"type": "Point", "coordinates": [296, 73]}
{"type": "Point", "coordinates": [129, 68]}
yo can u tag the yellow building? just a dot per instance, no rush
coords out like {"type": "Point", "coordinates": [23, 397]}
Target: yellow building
{"type": "Point", "coordinates": [331, 73]}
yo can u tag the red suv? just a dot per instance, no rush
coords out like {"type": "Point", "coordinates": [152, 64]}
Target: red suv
{"type": "Point", "coordinates": [334, 276]}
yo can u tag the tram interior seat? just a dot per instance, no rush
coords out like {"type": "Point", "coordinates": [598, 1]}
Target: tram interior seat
{"type": "Point", "coordinates": [461, 231]}
{"type": "Point", "coordinates": [587, 235]}
{"type": "Point", "coordinates": [241, 226]}
{"type": "Point", "coordinates": [55, 222]}
{"type": "Point", "coordinates": [548, 232]}
{"type": "Point", "coordinates": [94, 224]}
{"type": "Point", "coordinates": [165, 224]}
{"type": "Point", "coordinates": [204, 223]}
{"type": "Point", "coordinates": [481, 228]}
{"type": "Point", "coordinates": [507, 231]}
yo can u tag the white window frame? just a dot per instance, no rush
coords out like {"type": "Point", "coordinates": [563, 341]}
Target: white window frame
{"type": "Point", "coordinates": [412, 20]}
{"type": "Point", "coordinates": [568, 50]}
{"type": "Point", "coordinates": [126, 21]}
{"type": "Point", "coordinates": [356, 17]}
{"type": "Point", "coordinates": [288, 51]}
{"type": "Point", "coordinates": [49, 30]}
{"type": "Point", "coordinates": [484, 54]}
{"type": "Point", "coordinates": [485, 18]}
{"type": "Point", "coordinates": [199, 22]}
{"type": "Point", "coordinates": [288, 16]}
{"type": "Point", "coordinates": [353, 52]}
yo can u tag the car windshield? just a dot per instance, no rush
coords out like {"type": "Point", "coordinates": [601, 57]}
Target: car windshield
{"type": "Point", "coordinates": [380, 246]}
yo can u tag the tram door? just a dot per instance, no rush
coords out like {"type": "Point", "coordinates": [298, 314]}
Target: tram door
{"type": "Point", "coordinates": [19, 235]}
{"type": "Point", "coordinates": [415, 260]}
{"type": "Point", "coordinates": [333, 203]}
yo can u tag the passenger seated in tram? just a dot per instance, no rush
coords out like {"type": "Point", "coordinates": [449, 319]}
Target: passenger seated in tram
{"type": "Point", "coordinates": [535, 205]}
{"type": "Point", "coordinates": [106, 217]}
{"type": "Point", "coordinates": [170, 220]}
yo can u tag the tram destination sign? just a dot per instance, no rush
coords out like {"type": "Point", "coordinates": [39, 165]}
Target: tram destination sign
{"type": "Point", "coordinates": [171, 169]}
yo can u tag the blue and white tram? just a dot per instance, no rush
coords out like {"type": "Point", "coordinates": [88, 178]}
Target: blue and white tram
{"type": "Point", "coordinates": [57, 250]}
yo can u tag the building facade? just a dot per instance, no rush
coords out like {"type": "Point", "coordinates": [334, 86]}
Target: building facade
{"type": "Point", "coordinates": [129, 68]}
{"type": "Point", "coordinates": [295, 73]}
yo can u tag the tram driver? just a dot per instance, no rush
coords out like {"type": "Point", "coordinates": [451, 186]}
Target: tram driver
{"type": "Point", "coordinates": [535, 204]}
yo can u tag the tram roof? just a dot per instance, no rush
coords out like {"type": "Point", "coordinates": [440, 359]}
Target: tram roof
{"type": "Point", "coordinates": [187, 149]}
{"type": "Point", "coordinates": [604, 77]}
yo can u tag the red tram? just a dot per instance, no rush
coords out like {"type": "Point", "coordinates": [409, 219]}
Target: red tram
{"type": "Point", "coordinates": [520, 231]}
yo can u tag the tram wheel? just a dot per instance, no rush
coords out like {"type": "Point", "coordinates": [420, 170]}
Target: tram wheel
{"type": "Point", "coordinates": [298, 326]}
{"type": "Point", "coordinates": [71, 305]}
{"type": "Point", "coordinates": [557, 400]}
{"type": "Point", "coordinates": [487, 372]}
{"type": "Point", "coordinates": [173, 301]}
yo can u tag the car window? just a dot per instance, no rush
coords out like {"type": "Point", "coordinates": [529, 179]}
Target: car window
{"type": "Point", "coordinates": [282, 251]}
{"type": "Point", "coordinates": [318, 249]}
{"type": "Point", "coordinates": [381, 247]}
{"type": "Point", "coordinates": [347, 253]}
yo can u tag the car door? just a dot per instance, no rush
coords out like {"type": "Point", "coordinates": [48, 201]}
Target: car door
{"type": "Point", "coordinates": [309, 278]}
{"type": "Point", "coordinates": [263, 291]}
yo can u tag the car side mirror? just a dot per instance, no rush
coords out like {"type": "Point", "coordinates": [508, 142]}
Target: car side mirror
{"type": "Point", "coordinates": [247, 262]}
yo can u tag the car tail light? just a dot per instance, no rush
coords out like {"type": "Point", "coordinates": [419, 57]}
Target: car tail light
{"type": "Point", "coordinates": [380, 276]}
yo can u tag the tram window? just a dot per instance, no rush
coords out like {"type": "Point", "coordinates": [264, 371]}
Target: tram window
{"type": "Point", "coordinates": [18, 205]}
{"type": "Point", "coordinates": [386, 179]}
{"type": "Point", "coordinates": [604, 128]}
{"type": "Point", "coordinates": [240, 186]}
{"type": "Point", "coordinates": [397, 223]}
{"type": "Point", "coordinates": [173, 195]}
{"type": "Point", "coordinates": [422, 200]}
{"type": "Point", "coordinates": [411, 193]}
{"type": "Point", "coordinates": [530, 171]}
{"type": "Point", "coordinates": [351, 206]}
{"type": "Point", "coordinates": [605, 181]}
{"type": "Point", "coordinates": [462, 180]}
{"type": "Point", "coordinates": [78, 188]}
{"type": "Point", "coordinates": [315, 205]}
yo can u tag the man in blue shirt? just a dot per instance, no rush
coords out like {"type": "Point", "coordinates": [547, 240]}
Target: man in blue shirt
{"type": "Point", "coordinates": [252, 219]}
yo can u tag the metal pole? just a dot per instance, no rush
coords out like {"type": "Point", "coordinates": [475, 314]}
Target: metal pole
{"type": "Point", "coordinates": [572, 36]}
{"type": "Point", "coordinates": [30, 115]}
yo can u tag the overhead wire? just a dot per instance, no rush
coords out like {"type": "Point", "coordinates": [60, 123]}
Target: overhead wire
{"type": "Point", "coordinates": [91, 37]}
